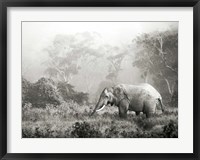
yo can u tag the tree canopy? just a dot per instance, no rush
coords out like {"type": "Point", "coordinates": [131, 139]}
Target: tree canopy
{"type": "Point", "coordinates": [157, 57]}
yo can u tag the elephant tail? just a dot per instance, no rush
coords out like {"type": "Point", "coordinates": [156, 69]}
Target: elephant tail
{"type": "Point", "coordinates": [161, 104]}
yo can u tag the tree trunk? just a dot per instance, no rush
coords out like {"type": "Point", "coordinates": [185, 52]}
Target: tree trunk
{"type": "Point", "coordinates": [168, 86]}
{"type": "Point", "coordinates": [146, 76]}
{"type": "Point", "coordinates": [146, 79]}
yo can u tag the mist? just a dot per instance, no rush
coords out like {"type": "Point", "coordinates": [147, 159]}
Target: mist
{"type": "Point", "coordinates": [97, 54]}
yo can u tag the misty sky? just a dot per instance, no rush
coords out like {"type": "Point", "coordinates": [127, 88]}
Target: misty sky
{"type": "Point", "coordinates": [115, 33]}
{"type": "Point", "coordinates": [36, 36]}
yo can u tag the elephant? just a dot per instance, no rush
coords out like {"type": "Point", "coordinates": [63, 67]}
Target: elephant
{"type": "Point", "coordinates": [139, 98]}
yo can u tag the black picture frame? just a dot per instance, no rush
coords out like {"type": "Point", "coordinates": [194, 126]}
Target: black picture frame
{"type": "Point", "coordinates": [98, 3]}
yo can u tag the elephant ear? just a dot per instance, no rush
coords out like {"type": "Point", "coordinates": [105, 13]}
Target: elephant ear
{"type": "Point", "coordinates": [119, 92]}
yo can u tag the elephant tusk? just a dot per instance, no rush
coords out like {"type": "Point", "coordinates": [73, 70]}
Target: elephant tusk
{"type": "Point", "coordinates": [101, 108]}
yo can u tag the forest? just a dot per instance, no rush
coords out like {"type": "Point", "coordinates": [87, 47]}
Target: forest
{"type": "Point", "coordinates": [57, 102]}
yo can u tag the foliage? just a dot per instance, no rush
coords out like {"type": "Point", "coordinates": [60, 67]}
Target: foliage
{"type": "Point", "coordinates": [66, 90]}
{"type": "Point", "coordinates": [85, 130]}
{"type": "Point", "coordinates": [66, 52]}
{"type": "Point", "coordinates": [25, 91]}
{"type": "Point", "coordinates": [46, 91]}
{"type": "Point", "coordinates": [115, 58]}
{"type": "Point", "coordinates": [157, 57]}
{"type": "Point", "coordinates": [42, 92]}
{"type": "Point", "coordinates": [115, 66]}
{"type": "Point", "coordinates": [112, 132]}
{"type": "Point", "coordinates": [81, 98]}
{"type": "Point", "coordinates": [171, 130]}
{"type": "Point", "coordinates": [72, 120]}
{"type": "Point", "coordinates": [68, 93]}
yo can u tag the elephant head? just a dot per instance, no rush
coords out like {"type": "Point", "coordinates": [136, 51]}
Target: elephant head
{"type": "Point", "coordinates": [108, 96]}
{"type": "Point", "coordinates": [105, 98]}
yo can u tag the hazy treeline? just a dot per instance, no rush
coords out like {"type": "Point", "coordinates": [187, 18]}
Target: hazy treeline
{"type": "Point", "coordinates": [82, 63]}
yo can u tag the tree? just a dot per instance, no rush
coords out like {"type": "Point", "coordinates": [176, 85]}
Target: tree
{"type": "Point", "coordinates": [66, 90]}
{"type": "Point", "coordinates": [157, 57]}
{"type": "Point", "coordinates": [40, 93]}
{"type": "Point", "coordinates": [81, 98]}
{"type": "Point", "coordinates": [46, 91]}
{"type": "Point", "coordinates": [66, 54]}
{"type": "Point", "coordinates": [26, 85]}
{"type": "Point", "coordinates": [115, 59]}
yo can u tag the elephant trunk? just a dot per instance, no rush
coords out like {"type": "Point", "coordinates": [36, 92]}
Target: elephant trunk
{"type": "Point", "coordinates": [99, 106]}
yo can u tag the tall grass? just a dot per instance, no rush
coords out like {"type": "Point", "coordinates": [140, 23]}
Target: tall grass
{"type": "Point", "coordinates": [70, 120]}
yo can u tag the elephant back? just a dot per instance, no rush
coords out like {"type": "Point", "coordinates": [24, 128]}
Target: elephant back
{"type": "Point", "coordinates": [140, 90]}
{"type": "Point", "coordinates": [151, 90]}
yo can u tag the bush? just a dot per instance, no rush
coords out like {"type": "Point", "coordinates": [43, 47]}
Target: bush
{"type": "Point", "coordinates": [25, 90]}
{"type": "Point", "coordinates": [68, 93]}
{"type": "Point", "coordinates": [45, 132]}
{"type": "Point", "coordinates": [112, 132]}
{"type": "Point", "coordinates": [145, 124]}
{"type": "Point", "coordinates": [174, 99]}
{"type": "Point", "coordinates": [85, 130]}
{"type": "Point", "coordinates": [46, 91]}
{"type": "Point", "coordinates": [66, 90]}
{"type": "Point", "coordinates": [170, 130]}
{"type": "Point", "coordinates": [70, 120]}
{"type": "Point", "coordinates": [43, 92]}
{"type": "Point", "coordinates": [81, 98]}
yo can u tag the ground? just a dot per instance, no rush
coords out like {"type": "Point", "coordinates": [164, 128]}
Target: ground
{"type": "Point", "coordinates": [70, 120]}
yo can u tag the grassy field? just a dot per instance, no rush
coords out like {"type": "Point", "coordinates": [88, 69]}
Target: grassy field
{"type": "Point", "coordinates": [70, 120]}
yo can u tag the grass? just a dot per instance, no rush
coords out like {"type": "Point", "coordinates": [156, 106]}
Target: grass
{"type": "Point", "coordinates": [70, 120]}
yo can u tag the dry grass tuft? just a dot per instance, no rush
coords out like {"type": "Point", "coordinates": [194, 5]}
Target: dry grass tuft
{"type": "Point", "coordinates": [70, 120]}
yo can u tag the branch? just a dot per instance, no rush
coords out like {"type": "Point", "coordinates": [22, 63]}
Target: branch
{"type": "Point", "coordinates": [167, 82]}
{"type": "Point", "coordinates": [60, 71]}
{"type": "Point", "coordinates": [160, 40]}
{"type": "Point", "coordinates": [172, 69]}
{"type": "Point", "coordinates": [150, 59]}
{"type": "Point", "coordinates": [168, 86]}
{"type": "Point", "coordinates": [113, 64]}
{"type": "Point", "coordinates": [156, 47]}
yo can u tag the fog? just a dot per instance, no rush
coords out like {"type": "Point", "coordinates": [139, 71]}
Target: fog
{"type": "Point", "coordinates": [102, 39]}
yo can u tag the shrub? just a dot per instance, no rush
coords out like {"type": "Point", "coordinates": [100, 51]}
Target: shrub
{"type": "Point", "coordinates": [85, 130]}
{"type": "Point", "coordinates": [35, 130]}
{"type": "Point", "coordinates": [43, 92]}
{"type": "Point", "coordinates": [25, 90]}
{"type": "Point", "coordinates": [67, 91]}
{"type": "Point", "coordinates": [81, 98]}
{"type": "Point", "coordinates": [27, 106]}
{"type": "Point", "coordinates": [168, 131]}
{"type": "Point", "coordinates": [145, 124]}
{"type": "Point", "coordinates": [46, 91]}
{"type": "Point", "coordinates": [171, 130]}
{"type": "Point", "coordinates": [70, 120]}
{"type": "Point", "coordinates": [112, 132]}
{"type": "Point", "coordinates": [138, 134]}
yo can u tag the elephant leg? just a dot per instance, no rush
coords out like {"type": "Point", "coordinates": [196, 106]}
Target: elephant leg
{"type": "Point", "coordinates": [137, 113]}
{"type": "Point", "coordinates": [123, 108]}
{"type": "Point", "coordinates": [149, 107]}
{"type": "Point", "coordinates": [122, 112]}
{"type": "Point", "coordinates": [149, 114]}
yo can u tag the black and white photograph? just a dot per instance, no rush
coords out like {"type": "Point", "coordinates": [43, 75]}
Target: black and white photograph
{"type": "Point", "coordinates": [99, 79]}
